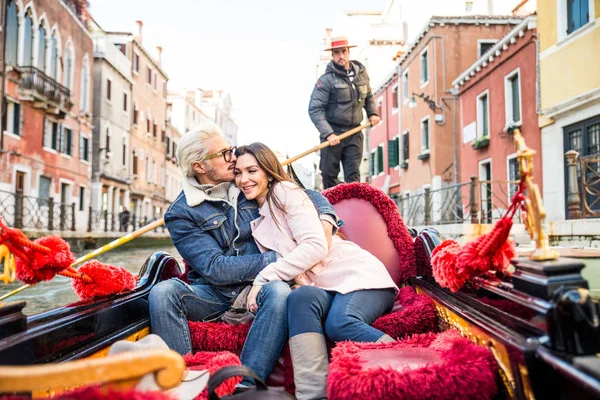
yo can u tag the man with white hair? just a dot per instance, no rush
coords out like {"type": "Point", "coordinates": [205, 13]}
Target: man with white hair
{"type": "Point", "coordinates": [209, 223]}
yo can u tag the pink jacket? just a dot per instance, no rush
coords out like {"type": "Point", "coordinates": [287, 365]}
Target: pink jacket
{"type": "Point", "coordinates": [300, 239]}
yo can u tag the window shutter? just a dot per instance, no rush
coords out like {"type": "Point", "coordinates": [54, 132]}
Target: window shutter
{"type": "Point", "coordinates": [405, 148]}
{"type": "Point", "coordinates": [372, 164]}
{"type": "Point", "coordinates": [16, 119]}
{"type": "Point", "coordinates": [391, 153]}
{"type": "Point", "coordinates": [379, 159]}
{"type": "Point", "coordinates": [68, 144]}
{"type": "Point", "coordinates": [516, 101]}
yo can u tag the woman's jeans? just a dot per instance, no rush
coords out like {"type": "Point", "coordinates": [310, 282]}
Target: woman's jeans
{"type": "Point", "coordinates": [347, 316]}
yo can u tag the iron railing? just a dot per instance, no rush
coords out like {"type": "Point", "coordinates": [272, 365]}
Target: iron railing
{"type": "Point", "coordinates": [27, 212]}
{"type": "Point", "coordinates": [37, 81]}
{"type": "Point", "coordinates": [471, 202]}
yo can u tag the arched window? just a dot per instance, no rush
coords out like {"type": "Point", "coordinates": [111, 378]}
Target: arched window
{"type": "Point", "coordinates": [53, 58]}
{"type": "Point", "coordinates": [12, 34]}
{"type": "Point", "coordinates": [42, 49]}
{"type": "Point", "coordinates": [107, 142]}
{"type": "Point", "coordinates": [68, 68]}
{"type": "Point", "coordinates": [28, 40]}
{"type": "Point", "coordinates": [85, 83]}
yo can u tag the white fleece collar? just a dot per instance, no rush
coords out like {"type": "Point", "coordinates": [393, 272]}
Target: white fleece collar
{"type": "Point", "coordinates": [195, 193]}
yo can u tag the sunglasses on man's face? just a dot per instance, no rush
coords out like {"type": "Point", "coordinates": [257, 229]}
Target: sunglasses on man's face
{"type": "Point", "coordinates": [226, 153]}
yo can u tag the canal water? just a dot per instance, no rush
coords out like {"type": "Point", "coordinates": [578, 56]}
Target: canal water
{"type": "Point", "coordinates": [58, 292]}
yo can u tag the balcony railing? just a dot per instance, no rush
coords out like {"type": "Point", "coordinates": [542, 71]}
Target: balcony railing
{"type": "Point", "coordinates": [37, 81]}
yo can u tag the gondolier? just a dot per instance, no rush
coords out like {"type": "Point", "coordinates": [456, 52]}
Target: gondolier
{"type": "Point", "coordinates": [336, 106]}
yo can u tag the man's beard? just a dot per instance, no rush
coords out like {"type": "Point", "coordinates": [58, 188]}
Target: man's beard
{"type": "Point", "coordinates": [213, 175]}
{"type": "Point", "coordinates": [343, 67]}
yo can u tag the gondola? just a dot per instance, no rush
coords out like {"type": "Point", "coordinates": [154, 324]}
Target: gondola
{"type": "Point", "coordinates": [540, 325]}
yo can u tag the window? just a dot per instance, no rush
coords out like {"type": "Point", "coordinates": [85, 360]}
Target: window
{"type": "Point", "coordinates": [135, 163]}
{"type": "Point", "coordinates": [122, 47]}
{"type": "Point", "coordinates": [51, 135]}
{"type": "Point", "coordinates": [41, 58]}
{"type": "Point", "coordinates": [84, 148]}
{"type": "Point", "coordinates": [136, 62]}
{"type": "Point", "coordinates": [154, 129]}
{"type": "Point", "coordinates": [107, 142]}
{"type": "Point", "coordinates": [394, 152]}
{"type": "Point", "coordinates": [28, 40]}
{"type": "Point", "coordinates": [44, 189]}
{"type": "Point", "coordinates": [149, 76]}
{"type": "Point", "coordinates": [66, 141]}
{"type": "Point", "coordinates": [425, 136]}
{"type": "Point", "coordinates": [380, 107]}
{"type": "Point", "coordinates": [380, 158]}
{"type": "Point", "coordinates": [124, 157]}
{"type": "Point", "coordinates": [12, 34]}
{"type": "Point", "coordinates": [405, 147]}
{"type": "Point", "coordinates": [513, 175]}
{"type": "Point", "coordinates": [512, 98]}
{"type": "Point", "coordinates": [395, 98]}
{"type": "Point", "coordinates": [483, 112]}
{"type": "Point", "coordinates": [484, 46]}
{"type": "Point", "coordinates": [155, 81]}
{"type": "Point", "coordinates": [108, 89]}
{"type": "Point", "coordinates": [372, 162]}
{"type": "Point", "coordinates": [68, 69]}
{"type": "Point", "coordinates": [81, 198]}
{"type": "Point", "coordinates": [85, 79]}
{"type": "Point", "coordinates": [468, 6]}
{"type": "Point", "coordinates": [148, 123]}
{"type": "Point", "coordinates": [174, 150]}
{"type": "Point", "coordinates": [125, 102]}
{"type": "Point", "coordinates": [135, 113]}
{"type": "Point", "coordinates": [168, 145]}
{"type": "Point", "coordinates": [53, 58]}
{"type": "Point", "coordinates": [405, 87]}
{"type": "Point", "coordinates": [424, 67]}
{"type": "Point", "coordinates": [12, 118]}
{"type": "Point", "coordinates": [578, 14]}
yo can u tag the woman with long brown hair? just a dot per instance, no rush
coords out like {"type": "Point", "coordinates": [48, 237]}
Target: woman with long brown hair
{"type": "Point", "coordinates": [344, 285]}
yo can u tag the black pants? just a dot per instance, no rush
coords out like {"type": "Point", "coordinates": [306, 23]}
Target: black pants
{"type": "Point", "coordinates": [349, 152]}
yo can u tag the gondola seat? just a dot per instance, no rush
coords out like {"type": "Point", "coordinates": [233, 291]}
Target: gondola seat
{"type": "Point", "coordinates": [372, 220]}
{"type": "Point", "coordinates": [423, 366]}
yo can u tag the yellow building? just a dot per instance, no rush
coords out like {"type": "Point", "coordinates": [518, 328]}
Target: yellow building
{"type": "Point", "coordinates": [569, 82]}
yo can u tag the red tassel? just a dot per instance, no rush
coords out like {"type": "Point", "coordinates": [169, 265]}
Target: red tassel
{"type": "Point", "coordinates": [106, 280]}
{"type": "Point", "coordinates": [44, 265]}
{"type": "Point", "coordinates": [444, 265]}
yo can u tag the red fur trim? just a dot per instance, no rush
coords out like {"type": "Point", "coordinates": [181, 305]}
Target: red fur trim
{"type": "Point", "coordinates": [467, 371]}
{"type": "Point", "coordinates": [218, 336]}
{"type": "Point", "coordinates": [416, 315]}
{"type": "Point", "coordinates": [106, 280]}
{"type": "Point", "coordinates": [214, 362]}
{"type": "Point", "coordinates": [44, 267]}
{"type": "Point", "coordinates": [396, 229]}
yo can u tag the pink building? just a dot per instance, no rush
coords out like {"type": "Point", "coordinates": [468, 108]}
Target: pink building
{"type": "Point", "coordinates": [497, 92]}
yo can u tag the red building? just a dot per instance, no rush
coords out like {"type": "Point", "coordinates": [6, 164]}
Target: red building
{"type": "Point", "coordinates": [384, 158]}
{"type": "Point", "coordinates": [46, 137]}
{"type": "Point", "coordinates": [495, 93]}
{"type": "Point", "coordinates": [418, 109]}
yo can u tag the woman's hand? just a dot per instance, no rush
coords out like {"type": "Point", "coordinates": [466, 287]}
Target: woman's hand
{"type": "Point", "coordinates": [251, 301]}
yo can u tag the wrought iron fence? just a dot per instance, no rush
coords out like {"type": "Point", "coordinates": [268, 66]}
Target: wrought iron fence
{"type": "Point", "coordinates": [27, 212]}
{"type": "Point", "coordinates": [470, 202]}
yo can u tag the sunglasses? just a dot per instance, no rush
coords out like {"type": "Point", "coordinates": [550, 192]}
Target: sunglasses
{"type": "Point", "coordinates": [226, 153]}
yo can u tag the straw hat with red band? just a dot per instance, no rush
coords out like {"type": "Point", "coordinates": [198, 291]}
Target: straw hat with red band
{"type": "Point", "coordinates": [339, 43]}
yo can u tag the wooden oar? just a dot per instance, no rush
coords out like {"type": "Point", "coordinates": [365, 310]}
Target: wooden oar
{"type": "Point", "coordinates": [325, 144]}
{"type": "Point", "coordinates": [157, 223]}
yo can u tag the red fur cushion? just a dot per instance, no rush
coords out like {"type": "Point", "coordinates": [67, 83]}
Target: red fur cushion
{"type": "Point", "coordinates": [413, 313]}
{"type": "Point", "coordinates": [439, 366]}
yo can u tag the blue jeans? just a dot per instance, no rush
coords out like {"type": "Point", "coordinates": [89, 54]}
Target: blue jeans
{"type": "Point", "coordinates": [173, 303]}
{"type": "Point", "coordinates": [347, 316]}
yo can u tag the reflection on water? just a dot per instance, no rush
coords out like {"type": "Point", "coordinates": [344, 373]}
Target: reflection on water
{"type": "Point", "coordinates": [58, 292]}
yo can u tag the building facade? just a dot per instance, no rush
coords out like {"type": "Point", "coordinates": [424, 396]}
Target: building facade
{"type": "Point", "coordinates": [47, 124]}
{"type": "Point", "coordinates": [496, 93]}
{"type": "Point", "coordinates": [111, 145]}
{"type": "Point", "coordinates": [415, 145]}
{"type": "Point", "coordinates": [172, 171]}
{"type": "Point", "coordinates": [218, 106]}
{"type": "Point", "coordinates": [569, 33]}
{"type": "Point", "coordinates": [148, 130]}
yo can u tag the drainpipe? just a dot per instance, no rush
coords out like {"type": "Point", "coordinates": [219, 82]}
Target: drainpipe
{"type": "Point", "coordinates": [3, 112]}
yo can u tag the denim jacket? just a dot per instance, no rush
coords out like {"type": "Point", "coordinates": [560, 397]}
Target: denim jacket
{"type": "Point", "coordinates": [219, 247]}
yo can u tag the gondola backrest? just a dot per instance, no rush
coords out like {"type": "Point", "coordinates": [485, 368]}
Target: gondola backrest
{"type": "Point", "coordinates": [372, 221]}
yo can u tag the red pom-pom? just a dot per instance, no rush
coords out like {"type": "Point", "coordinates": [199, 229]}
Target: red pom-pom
{"type": "Point", "coordinates": [44, 266]}
{"type": "Point", "coordinates": [106, 280]}
{"type": "Point", "coordinates": [444, 265]}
